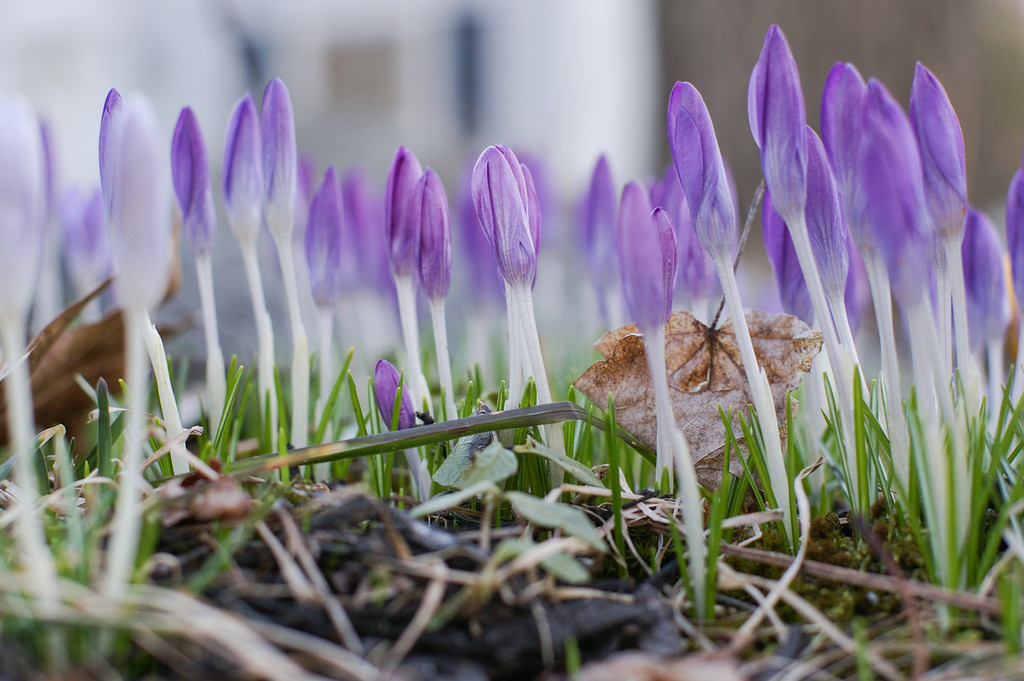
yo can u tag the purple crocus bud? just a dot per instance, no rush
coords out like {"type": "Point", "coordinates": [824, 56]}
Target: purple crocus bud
{"type": "Point", "coordinates": [139, 219]}
{"type": "Point", "coordinates": [701, 171]}
{"type": "Point", "coordinates": [775, 109]}
{"type": "Point", "coordinates": [243, 170]}
{"type": "Point", "coordinates": [190, 172]}
{"type": "Point", "coordinates": [401, 225]}
{"type": "Point", "coordinates": [647, 258]}
{"type": "Point", "coordinates": [111, 107]}
{"type": "Point", "coordinates": [86, 247]}
{"type": "Point", "coordinates": [385, 384]}
{"type": "Point", "coordinates": [988, 309]}
{"type": "Point", "coordinates": [842, 106]}
{"type": "Point", "coordinates": [435, 235]}
{"type": "Point", "coordinates": [696, 279]}
{"type": "Point", "coordinates": [49, 170]}
{"type": "Point", "coordinates": [21, 206]}
{"type": "Point", "coordinates": [890, 197]}
{"type": "Point", "coordinates": [280, 159]}
{"type": "Point", "coordinates": [942, 154]}
{"type": "Point", "coordinates": [532, 208]}
{"type": "Point", "coordinates": [778, 245]}
{"type": "Point", "coordinates": [365, 258]}
{"type": "Point", "coordinates": [502, 203]}
{"type": "Point", "coordinates": [825, 226]}
{"type": "Point", "coordinates": [323, 241]}
{"type": "Point", "coordinates": [597, 226]}
{"type": "Point", "coordinates": [1015, 233]}
{"type": "Point", "coordinates": [305, 180]}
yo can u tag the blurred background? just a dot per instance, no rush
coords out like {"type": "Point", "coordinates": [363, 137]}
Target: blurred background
{"type": "Point", "coordinates": [559, 80]}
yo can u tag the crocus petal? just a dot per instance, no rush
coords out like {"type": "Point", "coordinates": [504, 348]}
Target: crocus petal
{"type": "Point", "coordinates": [280, 159]}
{"type": "Point", "coordinates": [842, 107]}
{"type": "Point", "coordinates": [701, 171]}
{"type": "Point", "coordinates": [86, 247]}
{"type": "Point", "coordinates": [778, 245]}
{"type": "Point", "coordinates": [243, 170]}
{"type": "Point", "coordinates": [324, 241]}
{"type": "Point", "coordinates": [435, 236]}
{"type": "Point", "coordinates": [988, 309]}
{"type": "Point", "coordinates": [942, 153]}
{"type": "Point", "coordinates": [1015, 233]}
{"type": "Point", "coordinates": [139, 220]}
{"type": "Point", "coordinates": [647, 258]}
{"type": "Point", "coordinates": [401, 225]}
{"type": "Point", "coordinates": [477, 254]}
{"type": "Point", "coordinates": [775, 109]}
{"type": "Point", "coordinates": [365, 257]}
{"type": "Point", "coordinates": [890, 195]}
{"type": "Point", "coordinates": [824, 218]}
{"type": "Point", "coordinates": [190, 172]}
{"type": "Point", "coordinates": [21, 205]}
{"type": "Point", "coordinates": [858, 290]}
{"type": "Point", "coordinates": [500, 196]}
{"type": "Point", "coordinates": [597, 226]}
{"type": "Point", "coordinates": [111, 108]}
{"type": "Point", "coordinates": [385, 383]}
{"type": "Point", "coordinates": [532, 208]}
{"type": "Point", "coordinates": [696, 278]}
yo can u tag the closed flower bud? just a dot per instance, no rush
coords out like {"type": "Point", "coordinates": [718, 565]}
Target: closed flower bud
{"type": "Point", "coordinates": [647, 258]}
{"type": "Point", "coordinates": [502, 203]}
{"type": "Point", "coordinates": [824, 217]}
{"type": "Point", "coordinates": [988, 308]}
{"type": "Point", "coordinates": [190, 171]}
{"type": "Point", "coordinates": [1015, 233]}
{"type": "Point", "coordinates": [280, 159]}
{"type": "Point", "coordinates": [435, 235]}
{"type": "Point", "coordinates": [243, 170]}
{"type": "Point", "coordinates": [775, 109]}
{"type": "Point", "coordinates": [86, 247]}
{"type": "Point", "coordinates": [842, 108]}
{"type": "Point", "coordinates": [324, 241]}
{"type": "Point", "coordinates": [401, 224]}
{"type": "Point", "coordinates": [385, 384]}
{"type": "Point", "coordinates": [778, 245]}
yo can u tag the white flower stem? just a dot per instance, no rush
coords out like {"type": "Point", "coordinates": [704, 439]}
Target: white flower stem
{"type": "Point", "coordinates": [264, 335]}
{"type": "Point", "coordinates": [837, 304]}
{"type": "Point", "coordinates": [943, 306]}
{"type": "Point", "coordinates": [516, 359]}
{"type": "Point", "coordinates": [299, 432]}
{"type": "Point", "coordinates": [899, 436]}
{"type": "Point", "coordinates": [760, 392]}
{"type": "Point", "coordinates": [216, 383]}
{"type": "Point", "coordinates": [1018, 370]}
{"type": "Point", "coordinates": [965, 362]}
{"type": "Point", "coordinates": [444, 363]}
{"type": "Point", "coordinates": [418, 390]}
{"type": "Point", "coordinates": [654, 343]}
{"type": "Point", "coordinates": [165, 391]}
{"type": "Point", "coordinates": [124, 541]}
{"type": "Point", "coordinates": [29, 537]}
{"type": "Point", "coordinates": [994, 349]}
{"type": "Point", "coordinates": [325, 326]}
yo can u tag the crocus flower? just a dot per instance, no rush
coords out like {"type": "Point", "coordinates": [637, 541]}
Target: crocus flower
{"type": "Point", "coordinates": [484, 280]}
{"type": "Point", "coordinates": [696, 281]}
{"type": "Point", "coordinates": [386, 380]}
{"type": "Point", "coordinates": [430, 205]}
{"type": "Point", "coordinates": [858, 290]}
{"type": "Point", "coordinates": [1015, 245]}
{"type": "Point", "coordinates": [842, 106]}
{"type": "Point", "coordinates": [775, 109]}
{"type": "Point", "coordinates": [778, 245]}
{"type": "Point", "coordinates": [890, 199]}
{"type": "Point", "coordinates": [111, 107]}
{"type": "Point", "coordinates": [597, 232]}
{"type": "Point", "coordinates": [243, 170]}
{"type": "Point", "coordinates": [502, 205]}
{"type": "Point", "coordinates": [988, 308]}
{"type": "Point", "coordinates": [399, 223]}
{"type": "Point", "coordinates": [86, 247]}
{"type": "Point", "coordinates": [647, 258]}
{"type": "Point", "coordinates": [190, 172]}
{"type": "Point", "coordinates": [825, 226]}
{"type": "Point", "coordinates": [435, 251]}
{"type": "Point", "coordinates": [280, 159]}
{"type": "Point", "coordinates": [698, 160]}
{"type": "Point", "coordinates": [324, 241]}
{"type": "Point", "coordinates": [365, 258]}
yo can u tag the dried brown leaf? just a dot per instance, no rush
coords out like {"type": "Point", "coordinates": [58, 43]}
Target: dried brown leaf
{"type": "Point", "coordinates": [705, 372]}
{"type": "Point", "coordinates": [639, 666]}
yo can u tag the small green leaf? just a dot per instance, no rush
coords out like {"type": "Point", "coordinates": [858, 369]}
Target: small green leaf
{"type": "Point", "coordinates": [572, 521]}
{"type": "Point", "coordinates": [561, 565]}
{"type": "Point", "coordinates": [443, 502]}
{"type": "Point", "coordinates": [475, 459]}
{"type": "Point", "coordinates": [567, 464]}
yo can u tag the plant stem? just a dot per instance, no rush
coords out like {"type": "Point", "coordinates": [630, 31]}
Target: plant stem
{"type": "Point", "coordinates": [299, 432]}
{"type": "Point", "coordinates": [127, 521]}
{"type": "Point", "coordinates": [30, 536]}
{"type": "Point", "coordinates": [444, 363]}
{"type": "Point", "coordinates": [994, 349]}
{"type": "Point", "coordinates": [264, 335]}
{"type": "Point", "coordinates": [760, 392]}
{"type": "Point", "coordinates": [165, 391]}
{"type": "Point", "coordinates": [216, 383]}
{"type": "Point", "coordinates": [325, 325]}
{"type": "Point", "coordinates": [943, 307]}
{"type": "Point", "coordinates": [418, 390]}
{"type": "Point", "coordinates": [654, 343]}
{"type": "Point", "coordinates": [517, 373]}
{"type": "Point", "coordinates": [965, 362]}
{"type": "Point", "coordinates": [881, 298]}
